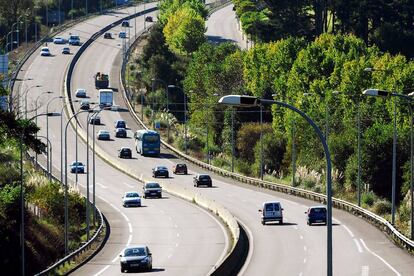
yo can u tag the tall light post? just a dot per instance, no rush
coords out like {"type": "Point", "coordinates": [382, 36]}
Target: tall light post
{"type": "Point", "coordinates": [22, 135]}
{"type": "Point", "coordinates": [61, 138]}
{"type": "Point", "coordinates": [66, 231]}
{"type": "Point", "coordinates": [238, 100]}
{"type": "Point", "coordinates": [36, 107]}
{"type": "Point", "coordinates": [185, 114]}
{"type": "Point", "coordinates": [49, 149]}
{"type": "Point", "coordinates": [49, 166]}
{"type": "Point", "coordinates": [25, 93]}
{"type": "Point", "coordinates": [384, 93]}
{"type": "Point", "coordinates": [261, 141]}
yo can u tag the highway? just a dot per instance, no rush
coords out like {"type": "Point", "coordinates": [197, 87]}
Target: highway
{"type": "Point", "coordinates": [290, 249]}
{"type": "Point", "coordinates": [184, 239]}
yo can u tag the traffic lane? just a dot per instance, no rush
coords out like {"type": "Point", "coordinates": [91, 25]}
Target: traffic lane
{"type": "Point", "coordinates": [222, 26]}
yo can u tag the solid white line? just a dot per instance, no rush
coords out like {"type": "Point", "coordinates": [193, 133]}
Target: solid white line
{"type": "Point", "coordinates": [129, 240]}
{"type": "Point", "coordinates": [103, 199]}
{"type": "Point", "coordinates": [304, 261]}
{"type": "Point", "coordinates": [103, 186]}
{"type": "Point", "coordinates": [365, 270]}
{"type": "Point", "coordinates": [337, 220]}
{"type": "Point", "coordinates": [251, 248]}
{"type": "Point", "coordinates": [130, 227]}
{"type": "Point", "coordinates": [169, 256]}
{"type": "Point", "coordinates": [301, 237]}
{"type": "Point", "coordinates": [176, 245]}
{"type": "Point", "coordinates": [126, 218]}
{"type": "Point", "coordinates": [178, 235]}
{"type": "Point", "coordinates": [102, 270]}
{"type": "Point", "coordinates": [295, 227]}
{"type": "Point", "coordinates": [175, 226]}
{"type": "Point", "coordinates": [379, 257]}
{"type": "Point", "coordinates": [348, 230]}
{"type": "Point", "coordinates": [300, 274]}
{"type": "Point", "coordinates": [358, 245]}
{"type": "Point", "coordinates": [129, 185]}
{"type": "Point", "coordinates": [305, 248]}
{"type": "Point", "coordinates": [114, 260]}
{"type": "Point", "coordinates": [116, 208]}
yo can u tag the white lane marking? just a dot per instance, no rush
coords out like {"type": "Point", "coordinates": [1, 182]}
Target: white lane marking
{"type": "Point", "coordinates": [336, 220]}
{"type": "Point", "coordinates": [129, 240]}
{"type": "Point", "coordinates": [304, 261]}
{"type": "Point", "coordinates": [365, 270]}
{"type": "Point", "coordinates": [116, 208]}
{"type": "Point", "coordinates": [358, 245]}
{"type": "Point", "coordinates": [170, 218]}
{"type": "Point", "coordinates": [169, 256]}
{"type": "Point", "coordinates": [379, 257]}
{"type": "Point", "coordinates": [140, 177]}
{"type": "Point", "coordinates": [295, 227]}
{"type": "Point", "coordinates": [300, 274]}
{"type": "Point", "coordinates": [348, 230]}
{"type": "Point", "coordinates": [251, 248]}
{"type": "Point", "coordinates": [305, 248]}
{"type": "Point", "coordinates": [129, 185]}
{"type": "Point", "coordinates": [102, 270]}
{"type": "Point", "coordinates": [301, 237]}
{"type": "Point", "coordinates": [125, 217]}
{"type": "Point", "coordinates": [103, 199]}
{"type": "Point", "coordinates": [178, 235]}
{"type": "Point", "coordinates": [114, 260]}
{"type": "Point", "coordinates": [176, 245]}
{"type": "Point", "coordinates": [130, 227]}
{"type": "Point", "coordinates": [175, 226]}
{"type": "Point", "coordinates": [101, 185]}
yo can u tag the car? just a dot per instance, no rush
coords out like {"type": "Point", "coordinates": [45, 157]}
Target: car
{"type": "Point", "coordinates": [160, 171]}
{"type": "Point", "coordinates": [122, 35]}
{"type": "Point", "coordinates": [125, 152]}
{"type": "Point", "coordinates": [95, 120]}
{"type": "Point", "coordinates": [80, 93]}
{"type": "Point", "coordinates": [77, 167]}
{"type": "Point", "coordinates": [104, 135]}
{"type": "Point", "coordinates": [66, 50]}
{"type": "Point", "coordinates": [84, 105]}
{"type": "Point", "coordinates": [125, 23]}
{"type": "Point", "coordinates": [152, 189]}
{"type": "Point", "coordinates": [180, 168]}
{"type": "Point", "coordinates": [120, 132]}
{"type": "Point", "coordinates": [120, 124]}
{"type": "Point", "coordinates": [45, 52]}
{"type": "Point", "coordinates": [74, 40]}
{"type": "Point", "coordinates": [135, 257]}
{"type": "Point", "coordinates": [148, 19]}
{"type": "Point", "coordinates": [131, 199]}
{"type": "Point", "coordinates": [316, 214]}
{"type": "Point", "coordinates": [108, 35]}
{"type": "Point", "coordinates": [202, 180]}
{"type": "Point", "coordinates": [271, 211]}
{"type": "Point", "coordinates": [59, 40]}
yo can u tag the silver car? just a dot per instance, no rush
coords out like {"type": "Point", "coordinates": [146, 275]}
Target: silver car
{"type": "Point", "coordinates": [104, 135]}
{"type": "Point", "coordinates": [131, 199]}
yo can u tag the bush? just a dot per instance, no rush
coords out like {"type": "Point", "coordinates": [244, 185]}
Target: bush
{"type": "Point", "coordinates": [368, 198]}
{"type": "Point", "coordinates": [243, 167]}
{"type": "Point", "coordinates": [382, 207]}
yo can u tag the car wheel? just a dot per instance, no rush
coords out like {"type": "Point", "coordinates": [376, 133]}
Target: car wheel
{"type": "Point", "coordinates": [167, 176]}
{"type": "Point", "coordinates": [122, 270]}
{"type": "Point", "coordinates": [309, 223]}
{"type": "Point", "coordinates": [281, 221]}
{"type": "Point", "coordinates": [185, 172]}
{"type": "Point", "coordinates": [263, 222]}
{"type": "Point", "coordinates": [159, 196]}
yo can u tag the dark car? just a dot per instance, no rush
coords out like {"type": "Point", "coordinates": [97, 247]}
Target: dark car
{"type": "Point", "coordinates": [84, 105]}
{"type": "Point", "coordinates": [108, 35]}
{"type": "Point", "coordinates": [152, 189]}
{"type": "Point", "coordinates": [77, 167]}
{"type": "Point", "coordinates": [202, 180]}
{"type": "Point", "coordinates": [180, 168]}
{"type": "Point", "coordinates": [160, 171]}
{"type": "Point", "coordinates": [125, 153]}
{"type": "Point", "coordinates": [149, 19]}
{"type": "Point", "coordinates": [125, 23]}
{"type": "Point", "coordinates": [316, 214]}
{"type": "Point", "coordinates": [137, 257]}
{"type": "Point", "coordinates": [103, 135]}
{"type": "Point", "coordinates": [121, 132]}
{"type": "Point", "coordinates": [95, 120]}
{"type": "Point", "coordinates": [120, 124]}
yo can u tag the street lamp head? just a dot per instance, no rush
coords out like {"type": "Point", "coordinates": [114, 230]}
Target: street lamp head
{"type": "Point", "coordinates": [336, 92]}
{"type": "Point", "coordinates": [239, 100]}
{"type": "Point", "coordinates": [376, 93]}
{"type": "Point", "coordinates": [411, 94]}
{"type": "Point", "coordinates": [369, 69]}
{"type": "Point", "coordinates": [307, 94]}
{"type": "Point", "coordinates": [171, 86]}
{"type": "Point", "coordinates": [53, 114]}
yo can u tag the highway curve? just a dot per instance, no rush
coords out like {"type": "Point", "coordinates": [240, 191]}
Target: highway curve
{"type": "Point", "coordinates": [184, 239]}
{"type": "Point", "coordinates": [291, 249]}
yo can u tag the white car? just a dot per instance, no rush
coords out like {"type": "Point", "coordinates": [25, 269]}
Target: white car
{"type": "Point", "coordinates": [45, 52]}
{"type": "Point", "coordinates": [272, 211]}
{"type": "Point", "coordinates": [80, 93]}
{"type": "Point", "coordinates": [104, 135]}
{"type": "Point", "coordinates": [131, 199]}
{"type": "Point", "coordinates": [59, 40]}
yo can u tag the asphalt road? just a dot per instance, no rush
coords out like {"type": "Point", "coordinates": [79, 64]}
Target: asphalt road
{"type": "Point", "coordinates": [184, 239]}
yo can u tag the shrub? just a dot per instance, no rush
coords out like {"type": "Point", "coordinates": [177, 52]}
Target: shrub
{"type": "Point", "coordinates": [382, 207]}
{"type": "Point", "coordinates": [368, 198]}
{"type": "Point", "coordinates": [243, 167]}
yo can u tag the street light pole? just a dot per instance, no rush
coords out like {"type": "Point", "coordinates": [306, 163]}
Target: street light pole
{"type": "Point", "coordinates": [232, 139]}
{"type": "Point", "coordinates": [49, 149]}
{"type": "Point", "coordinates": [394, 163]}
{"type": "Point", "coordinates": [25, 93]}
{"type": "Point", "coordinates": [49, 164]}
{"type": "Point", "coordinates": [36, 107]}
{"type": "Point", "coordinates": [261, 142]}
{"type": "Point", "coordinates": [254, 101]}
{"type": "Point", "coordinates": [359, 152]}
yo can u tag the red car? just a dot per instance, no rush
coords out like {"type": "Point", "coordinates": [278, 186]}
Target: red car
{"type": "Point", "coordinates": [180, 168]}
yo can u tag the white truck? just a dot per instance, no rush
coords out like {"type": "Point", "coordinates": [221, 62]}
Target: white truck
{"type": "Point", "coordinates": [106, 97]}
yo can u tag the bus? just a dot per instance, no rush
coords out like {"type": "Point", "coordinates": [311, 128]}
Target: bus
{"type": "Point", "coordinates": [147, 142]}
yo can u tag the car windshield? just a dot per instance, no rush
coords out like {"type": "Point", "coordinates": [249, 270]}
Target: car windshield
{"type": "Point", "coordinates": [125, 150]}
{"type": "Point", "coordinates": [140, 251]}
{"type": "Point", "coordinates": [272, 207]}
{"type": "Point", "coordinates": [153, 185]}
{"type": "Point", "coordinates": [161, 168]}
{"type": "Point", "coordinates": [204, 177]}
{"type": "Point", "coordinates": [318, 210]}
{"type": "Point", "coordinates": [132, 195]}
{"type": "Point", "coordinates": [77, 164]}
{"type": "Point", "coordinates": [181, 166]}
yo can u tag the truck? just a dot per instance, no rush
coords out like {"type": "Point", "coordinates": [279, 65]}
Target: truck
{"type": "Point", "coordinates": [106, 97]}
{"type": "Point", "coordinates": [101, 80]}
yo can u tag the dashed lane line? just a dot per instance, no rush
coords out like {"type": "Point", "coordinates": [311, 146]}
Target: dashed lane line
{"type": "Point", "coordinates": [379, 257]}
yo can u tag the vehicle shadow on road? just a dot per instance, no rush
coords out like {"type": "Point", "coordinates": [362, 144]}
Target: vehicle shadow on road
{"type": "Point", "coordinates": [167, 156]}
{"type": "Point", "coordinates": [281, 225]}
{"type": "Point", "coordinates": [218, 39]}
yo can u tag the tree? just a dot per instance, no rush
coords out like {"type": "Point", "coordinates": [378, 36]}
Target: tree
{"type": "Point", "coordinates": [184, 31]}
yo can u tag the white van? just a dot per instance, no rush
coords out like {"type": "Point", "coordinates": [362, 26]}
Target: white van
{"type": "Point", "coordinates": [272, 211]}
